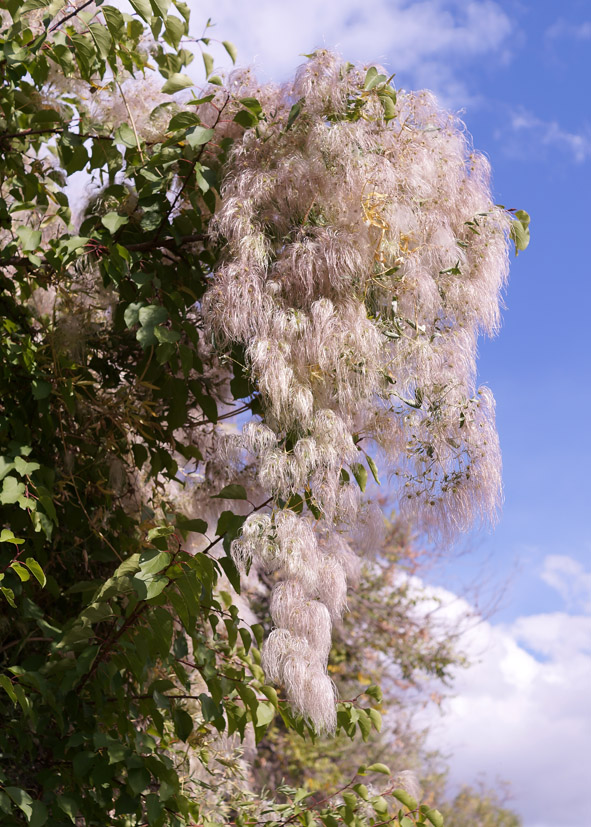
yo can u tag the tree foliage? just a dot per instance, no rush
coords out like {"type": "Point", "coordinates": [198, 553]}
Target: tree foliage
{"type": "Point", "coordinates": [128, 674]}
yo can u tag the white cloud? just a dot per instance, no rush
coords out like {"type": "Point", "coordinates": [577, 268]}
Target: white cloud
{"type": "Point", "coordinates": [431, 42]}
{"type": "Point", "coordinates": [522, 712]}
{"type": "Point", "coordinates": [528, 132]}
{"type": "Point", "coordinates": [575, 31]}
{"type": "Point", "coordinates": [569, 578]}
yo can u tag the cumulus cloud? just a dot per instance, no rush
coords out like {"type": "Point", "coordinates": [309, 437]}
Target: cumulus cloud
{"type": "Point", "coordinates": [528, 132]}
{"type": "Point", "coordinates": [522, 711]}
{"type": "Point", "coordinates": [430, 42]}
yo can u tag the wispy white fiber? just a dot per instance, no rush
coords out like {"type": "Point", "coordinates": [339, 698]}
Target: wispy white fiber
{"type": "Point", "coordinates": [363, 258]}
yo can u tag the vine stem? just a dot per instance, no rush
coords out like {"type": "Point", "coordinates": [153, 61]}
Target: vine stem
{"type": "Point", "coordinates": [137, 139]}
{"type": "Point", "coordinates": [115, 635]}
{"type": "Point", "coordinates": [69, 16]}
{"type": "Point", "coordinates": [141, 246]}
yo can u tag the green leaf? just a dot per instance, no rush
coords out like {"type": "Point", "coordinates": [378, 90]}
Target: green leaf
{"type": "Point", "coordinates": [132, 313]}
{"type": "Point", "coordinates": [152, 562]}
{"type": "Point", "coordinates": [24, 467]}
{"type": "Point", "coordinates": [520, 230]}
{"type": "Point", "coordinates": [208, 63]}
{"type": "Point", "coordinates": [183, 723]}
{"type": "Point", "coordinates": [253, 105]}
{"type": "Point", "coordinates": [143, 8]}
{"type": "Point", "coordinates": [380, 805]}
{"type": "Point", "coordinates": [5, 803]}
{"type": "Point", "coordinates": [174, 31]}
{"type": "Point", "coordinates": [198, 135]}
{"type": "Point", "coordinates": [182, 120]}
{"type": "Point", "coordinates": [22, 800]}
{"type": "Point", "coordinates": [114, 20]}
{"type": "Point", "coordinates": [378, 768]}
{"type": "Point", "coordinates": [375, 692]}
{"type": "Point", "coordinates": [160, 7]}
{"type": "Point", "coordinates": [375, 718]}
{"type": "Point", "coordinates": [231, 50]}
{"type": "Point", "coordinates": [361, 791]}
{"type": "Point", "coordinates": [246, 118]}
{"type": "Point", "coordinates": [364, 724]}
{"type": "Point", "coordinates": [271, 693]}
{"type": "Point", "coordinates": [102, 38]}
{"type": "Point", "coordinates": [294, 113]}
{"type": "Point", "coordinates": [435, 818]}
{"type": "Point", "coordinates": [45, 499]}
{"type": "Point", "coordinates": [5, 468]}
{"type": "Point", "coordinates": [523, 217]}
{"type": "Point", "coordinates": [40, 814]}
{"type": "Point", "coordinates": [198, 526]}
{"type": "Point", "coordinates": [405, 798]}
{"type": "Point", "coordinates": [138, 779]}
{"type": "Point", "coordinates": [6, 536]}
{"type": "Point", "coordinates": [82, 762]}
{"type": "Point", "coordinates": [370, 76]}
{"type": "Point", "coordinates": [373, 78]}
{"type": "Point", "coordinates": [125, 135]}
{"type": "Point", "coordinates": [12, 490]}
{"type": "Point", "coordinates": [258, 632]}
{"type": "Point", "coordinates": [113, 221]}
{"type": "Point", "coordinates": [231, 572]}
{"type": "Point", "coordinates": [231, 492]}
{"type": "Point", "coordinates": [389, 107]}
{"type": "Point", "coordinates": [176, 82]}
{"type": "Point", "coordinates": [165, 335]}
{"type": "Point", "coordinates": [202, 182]}
{"type": "Point", "coordinates": [146, 589]}
{"type": "Point", "coordinates": [6, 684]}
{"type": "Point", "coordinates": [373, 468]}
{"type": "Point", "coordinates": [9, 596]}
{"type": "Point", "coordinates": [350, 800]}
{"type": "Point", "coordinates": [68, 805]}
{"type": "Point", "coordinates": [36, 570]}
{"type": "Point", "coordinates": [20, 570]}
{"type": "Point", "coordinates": [152, 315]}
{"type": "Point", "coordinates": [29, 238]}
{"type": "Point", "coordinates": [360, 474]}
{"type": "Point", "coordinates": [160, 531]}
{"type": "Point", "coordinates": [84, 52]}
{"type": "Point", "coordinates": [154, 808]}
{"type": "Point", "coordinates": [30, 5]}
{"type": "Point", "coordinates": [265, 713]}
{"type": "Point", "coordinates": [40, 389]}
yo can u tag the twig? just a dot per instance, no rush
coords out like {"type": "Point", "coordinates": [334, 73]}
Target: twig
{"type": "Point", "coordinates": [188, 175]}
{"type": "Point", "coordinates": [115, 635]}
{"type": "Point", "coordinates": [137, 139]}
{"type": "Point", "coordinates": [72, 14]}
{"type": "Point", "coordinates": [140, 247]}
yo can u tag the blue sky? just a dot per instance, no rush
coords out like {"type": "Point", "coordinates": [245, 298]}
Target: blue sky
{"type": "Point", "coordinates": [516, 72]}
{"type": "Point", "coordinates": [519, 73]}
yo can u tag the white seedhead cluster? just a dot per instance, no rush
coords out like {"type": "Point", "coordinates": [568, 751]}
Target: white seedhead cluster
{"type": "Point", "coordinates": [314, 568]}
{"type": "Point", "coordinates": [364, 257]}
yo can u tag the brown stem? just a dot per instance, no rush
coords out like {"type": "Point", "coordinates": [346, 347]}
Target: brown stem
{"type": "Point", "coordinates": [188, 175]}
{"type": "Point", "coordinates": [72, 14]}
{"type": "Point", "coordinates": [142, 246]}
{"type": "Point", "coordinates": [228, 415]}
{"type": "Point", "coordinates": [26, 640]}
{"type": "Point", "coordinates": [115, 635]}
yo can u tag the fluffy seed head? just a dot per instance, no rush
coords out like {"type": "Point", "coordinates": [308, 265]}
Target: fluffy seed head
{"type": "Point", "coordinates": [364, 256]}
